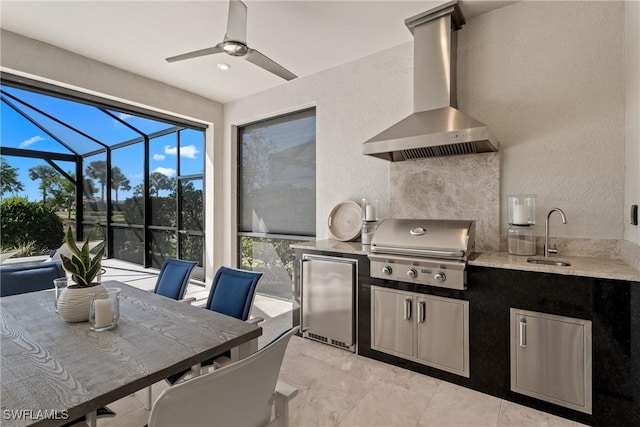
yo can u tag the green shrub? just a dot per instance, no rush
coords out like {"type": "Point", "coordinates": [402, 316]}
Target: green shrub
{"type": "Point", "coordinates": [24, 223]}
{"type": "Point", "coordinates": [25, 249]}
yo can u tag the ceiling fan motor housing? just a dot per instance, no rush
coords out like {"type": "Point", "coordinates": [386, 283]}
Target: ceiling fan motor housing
{"type": "Point", "coordinates": [234, 48]}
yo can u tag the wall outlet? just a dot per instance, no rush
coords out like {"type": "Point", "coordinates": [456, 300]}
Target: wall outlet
{"type": "Point", "coordinates": [634, 214]}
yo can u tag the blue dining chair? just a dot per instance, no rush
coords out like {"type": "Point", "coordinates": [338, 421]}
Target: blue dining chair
{"type": "Point", "coordinates": [232, 293]}
{"type": "Point", "coordinates": [174, 278]}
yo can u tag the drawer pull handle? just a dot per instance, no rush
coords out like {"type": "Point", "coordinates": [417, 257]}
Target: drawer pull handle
{"type": "Point", "coordinates": [422, 313]}
{"type": "Point", "coordinates": [523, 333]}
{"type": "Point", "coordinates": [407, 309]}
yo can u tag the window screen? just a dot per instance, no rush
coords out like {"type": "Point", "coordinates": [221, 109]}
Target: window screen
{"type": "Point", "coordinates": [277, 175]}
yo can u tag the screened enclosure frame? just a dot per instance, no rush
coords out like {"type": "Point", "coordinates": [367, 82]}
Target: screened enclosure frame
{"type": "Point", "coordinates": [92, 146]}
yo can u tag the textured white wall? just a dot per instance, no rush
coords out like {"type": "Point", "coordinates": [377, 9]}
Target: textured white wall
{"type": "Point", "coordinates": [632, 127]}
{"type": "Point", "coordinates": [352, 102]}
{"type": "Point", "coordinates": [548, 78]}
{"type": "Point", "coordinates": [24, 56]}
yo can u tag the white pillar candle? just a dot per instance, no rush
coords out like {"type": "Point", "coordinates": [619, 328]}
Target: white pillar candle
{"type": "Point", "coordinates": [370, 213]}
{"type": "Point", "coordinates": [102, 309]}
{"type": "Point", "coordinates": [520, 214]}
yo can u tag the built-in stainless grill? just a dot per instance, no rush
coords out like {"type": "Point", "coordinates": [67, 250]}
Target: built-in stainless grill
{"type": "Point", "coordinates": [423, 251]}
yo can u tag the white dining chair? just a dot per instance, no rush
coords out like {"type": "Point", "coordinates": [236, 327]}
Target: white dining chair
{"type": "Point", "coordinates": [240, 394]}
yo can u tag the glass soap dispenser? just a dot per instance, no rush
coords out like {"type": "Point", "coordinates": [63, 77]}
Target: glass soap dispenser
{"type": "Point", "coordinates": [521, 235]}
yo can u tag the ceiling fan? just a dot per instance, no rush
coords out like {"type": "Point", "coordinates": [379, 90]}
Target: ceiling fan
{"type": "Point", "coordinates": [235, 44]}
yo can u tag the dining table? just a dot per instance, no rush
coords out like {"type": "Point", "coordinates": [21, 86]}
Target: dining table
{"type": "Point", "coordinates": [53, 371]}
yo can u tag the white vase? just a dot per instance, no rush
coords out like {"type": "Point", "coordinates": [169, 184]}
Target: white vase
{"type": "Point", "coordinates": [73, 303]}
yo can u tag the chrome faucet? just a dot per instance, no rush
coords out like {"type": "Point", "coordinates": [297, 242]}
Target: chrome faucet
{"type": "Point", "coordinates": [547, 249]}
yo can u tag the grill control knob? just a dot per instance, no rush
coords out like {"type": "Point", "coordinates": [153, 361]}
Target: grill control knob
{"type": "Point", "coordinates": [387, 270]}
{"type": "Point", "coordinates": [440, 277]}
{"type": "Point", "coordinates": [412, 273]}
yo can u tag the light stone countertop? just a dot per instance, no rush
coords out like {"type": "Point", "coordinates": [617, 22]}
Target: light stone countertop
{"type": "Point", "coordinates": [602, 268]}
{"type": "Point", "coordinates": [331, 245]}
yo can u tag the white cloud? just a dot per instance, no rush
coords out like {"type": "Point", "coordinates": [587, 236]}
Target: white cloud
{"type": "Point", "coordinates": [28, 142]}
{"type": "Point", "coordinates": [172, 151]}
{"type": "Point", "coordinates": [159, 156]}
{"type": "Point", "coordinates": [165, 171]}
{"type": "Point", "coordinates": [136, 175]}
{"type": "Point", "coordinates": [188, 151]}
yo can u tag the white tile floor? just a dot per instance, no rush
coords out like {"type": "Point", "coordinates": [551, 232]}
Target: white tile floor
{"type": "Point", "coordinates": [338, 388]}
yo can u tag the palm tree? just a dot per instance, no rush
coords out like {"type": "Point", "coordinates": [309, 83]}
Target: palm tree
{"type": "Point", "coordinates": [98, 170]}
{"type": "Point", "coordinates": [64, 192]}
{"type": "Point", "coordinates": [157, 182]}
{"type": "Point", "coordinates": [89, 188]}
{"type": "Point", "coordinates": [138, 190]}
{"type": "Point", "coordinates": [9, 178]}
{"type": "Point", "coordinates": [119, 181]}
{"type": "Point", "coordinates": [46, 175]}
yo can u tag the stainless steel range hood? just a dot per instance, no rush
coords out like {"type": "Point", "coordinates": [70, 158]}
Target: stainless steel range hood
{"type": "Point", "coordinates": [436, 128]}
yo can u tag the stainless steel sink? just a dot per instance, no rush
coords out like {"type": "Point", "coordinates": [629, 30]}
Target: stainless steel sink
{"type": "Point", "coordinates": [549, 261]}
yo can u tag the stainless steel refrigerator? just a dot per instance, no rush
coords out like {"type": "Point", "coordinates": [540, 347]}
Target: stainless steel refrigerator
{"type": "Point", "coordinates": [328, 300]}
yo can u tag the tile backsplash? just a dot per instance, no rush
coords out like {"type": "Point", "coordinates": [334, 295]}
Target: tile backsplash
{"type": "Point", "coordinates": [468, 187]}
{"type": "Point", "coordinates": [458, 187]}
{"type": "Point", "coordinates": [581, 247]}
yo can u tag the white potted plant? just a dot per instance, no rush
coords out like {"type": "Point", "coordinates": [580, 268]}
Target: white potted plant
{"type": "Point", "coordinates": [83, 267]}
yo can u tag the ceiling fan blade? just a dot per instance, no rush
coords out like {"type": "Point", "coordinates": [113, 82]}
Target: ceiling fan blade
{"type": "Point", "coordinates": [237, 22]}
{"type": "Point", "coordinates": [196, 53]}
{"type": "Point", "coordinates": [260, 60]}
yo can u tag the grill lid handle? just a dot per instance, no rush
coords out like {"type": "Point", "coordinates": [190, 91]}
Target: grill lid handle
{"type": "Point", "coordinates": [378, 249]}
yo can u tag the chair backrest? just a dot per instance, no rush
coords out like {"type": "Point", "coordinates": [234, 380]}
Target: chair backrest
{"type": "Point", "coordinates": [174, 278]}
{"type": "Point", "coordinates": [232, 292]}
{"type": "Point", "coordinates": [239, 394]}
{"type": "Point", "coordinates": [28, 277]}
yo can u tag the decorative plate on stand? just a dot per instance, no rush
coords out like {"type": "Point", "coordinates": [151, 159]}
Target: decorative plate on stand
{"type": "Point", "coordinates": [345, 221]}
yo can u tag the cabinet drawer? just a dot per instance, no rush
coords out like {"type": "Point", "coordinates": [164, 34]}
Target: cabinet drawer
{"type": "Point", "coordinates": [551, 358]}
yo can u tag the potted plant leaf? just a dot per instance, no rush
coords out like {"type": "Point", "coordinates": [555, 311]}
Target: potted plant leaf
{"type": "Point", "coordinates": [83, 266]}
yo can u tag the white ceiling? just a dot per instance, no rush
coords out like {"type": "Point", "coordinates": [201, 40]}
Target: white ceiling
{"type": "Point", "coordinates": [303, 36]}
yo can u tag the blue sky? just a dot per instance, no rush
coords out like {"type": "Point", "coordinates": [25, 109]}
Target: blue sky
{"type": "Point", "coordinates": [17, 132]}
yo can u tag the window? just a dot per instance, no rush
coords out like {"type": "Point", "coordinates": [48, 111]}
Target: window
{"type": "Point", "coordinates": [276, 196]}
{"type": "Point", "coordinates": [142, 173]}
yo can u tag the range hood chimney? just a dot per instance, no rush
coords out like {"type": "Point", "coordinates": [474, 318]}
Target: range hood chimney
{"type": "Point", "coordinates": [436, 128]}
